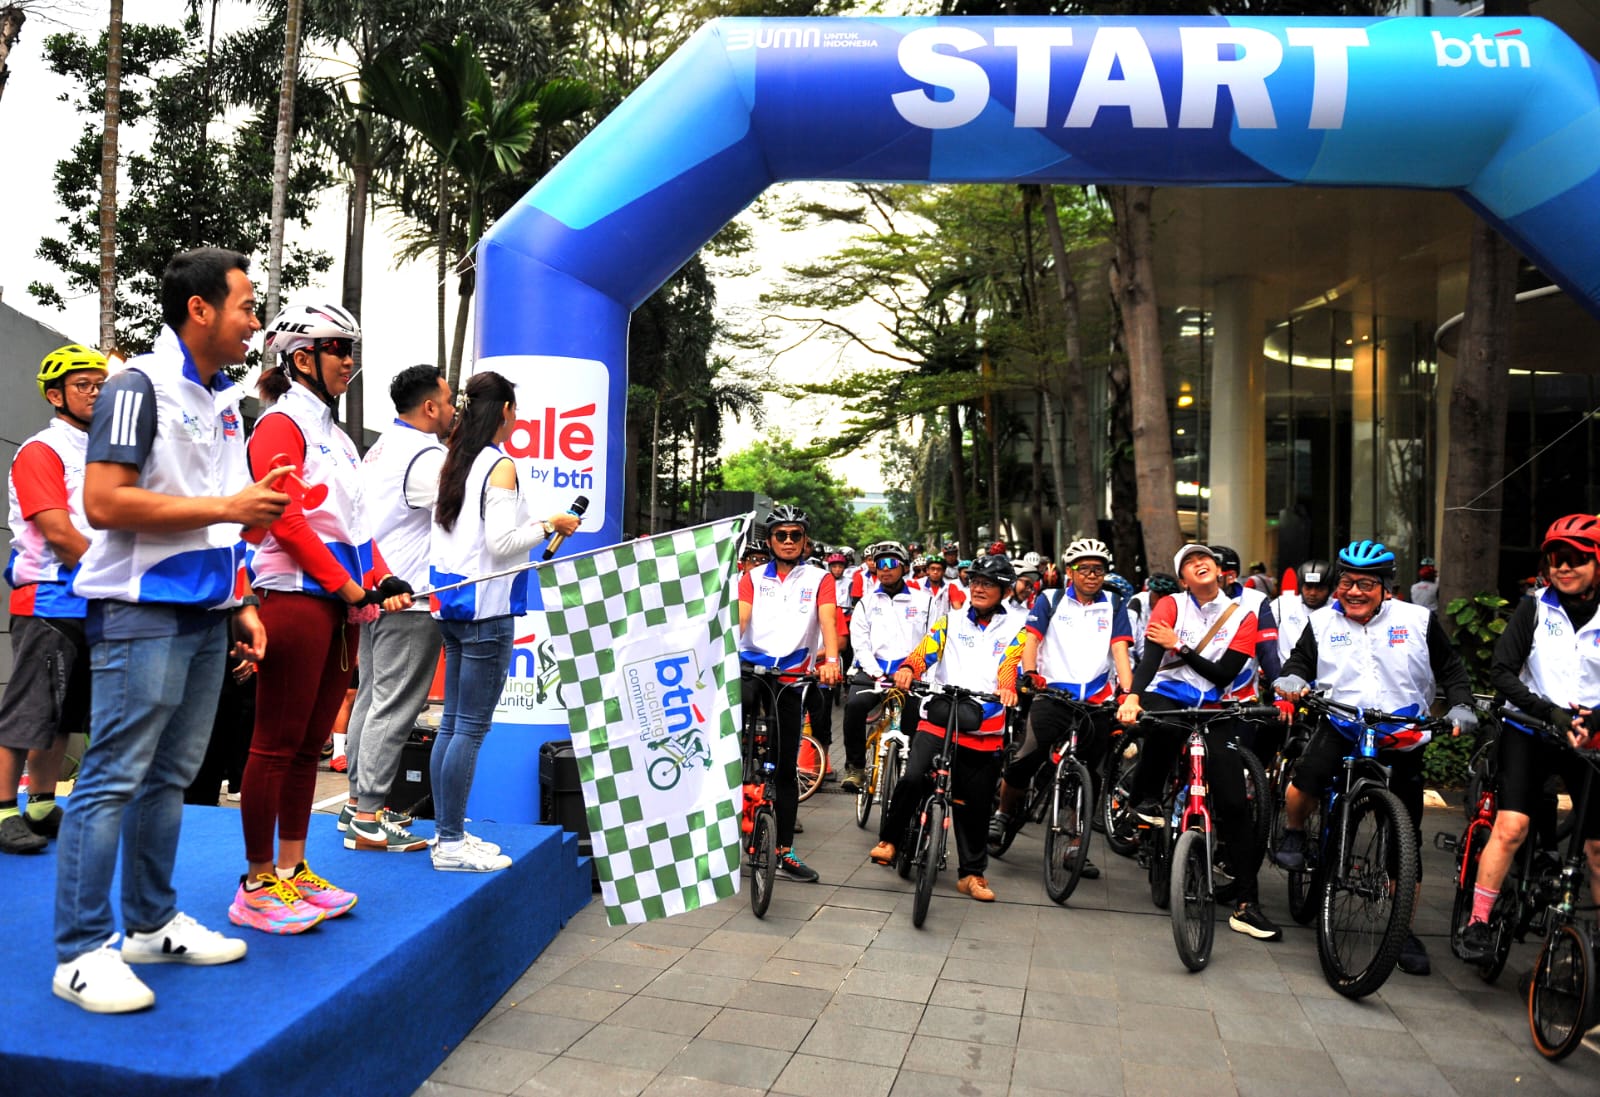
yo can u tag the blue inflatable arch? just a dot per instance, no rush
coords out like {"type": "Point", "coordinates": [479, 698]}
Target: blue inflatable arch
{"type": "Point", "coordinates": [1501, 111]}
{"type": "Point", "coordinates": [1505, 112]}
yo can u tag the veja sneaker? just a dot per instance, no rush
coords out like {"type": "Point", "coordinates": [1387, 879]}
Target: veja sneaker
{"type": "Point", "coordinates": [467, 856]}
{"type": "Point", "coordinates": [488, 847]}
{"type": "Point", "coordinates": [275, 907]}
{"type": "Point", "coordinates": [101, 982]}
{"type": "Point", "coordinates": [332, 901]}
{"type": "Point", "coordinates": [381, 835]}
{"type": "Point", "coordinates": [181, 941]}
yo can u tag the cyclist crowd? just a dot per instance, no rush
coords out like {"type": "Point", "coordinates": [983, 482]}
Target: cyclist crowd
{"type": "Point", "coordinates": [1200, 637]}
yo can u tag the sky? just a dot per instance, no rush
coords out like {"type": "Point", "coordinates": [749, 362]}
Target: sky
{"type": "Point", "coordinates": [398, 310]}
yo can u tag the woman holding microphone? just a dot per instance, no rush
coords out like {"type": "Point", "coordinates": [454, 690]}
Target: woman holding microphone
{"type": "Point", "coordinates": [311, 574]}
{"type": "Point", "coordinates": [480, 525]}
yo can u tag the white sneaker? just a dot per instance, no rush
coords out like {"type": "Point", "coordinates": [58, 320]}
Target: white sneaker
{"type": "Point", "coordinates": [100, 982]}
{"type": "Point", "coordinates": [473, 839]}
{"type": "Point", "coordinates": [468, 857]}
{"type": "Point", "coordinates": [182, 941]}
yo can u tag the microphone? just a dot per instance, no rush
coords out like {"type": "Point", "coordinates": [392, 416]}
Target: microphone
{"type": "Point", "coordinates": [579, 505]}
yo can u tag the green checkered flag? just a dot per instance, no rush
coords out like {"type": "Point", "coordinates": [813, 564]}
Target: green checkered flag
{"type": "Point", "coordinates": [646, 634]}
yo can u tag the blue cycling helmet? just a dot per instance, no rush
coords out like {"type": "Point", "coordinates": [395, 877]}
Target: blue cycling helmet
{"type": "Point", "coordinates": [1368, 558]}
{"type": "Point", "coordinates": [1117, 583]}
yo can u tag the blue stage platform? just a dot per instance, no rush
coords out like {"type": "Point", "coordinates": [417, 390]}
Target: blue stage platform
{"type": "Point", "coordinates": [368, 1003]}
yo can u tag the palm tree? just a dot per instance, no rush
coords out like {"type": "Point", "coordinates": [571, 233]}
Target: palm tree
{"type": "Point", "coordinates": [108, 180]}
{"type": "Point", "coordinates": [280, 151]}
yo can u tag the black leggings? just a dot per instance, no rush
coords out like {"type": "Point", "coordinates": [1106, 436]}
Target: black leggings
{"type": "Point", "coordinates": [972, 778]}
{"type": "Point", "coordinates": [1230, 806]}
{"type": "Point", "coordinates": [790, 719]}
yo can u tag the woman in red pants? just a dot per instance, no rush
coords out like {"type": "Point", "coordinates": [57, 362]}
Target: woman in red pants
{"type": "Point", "coordinates": [311, 572]}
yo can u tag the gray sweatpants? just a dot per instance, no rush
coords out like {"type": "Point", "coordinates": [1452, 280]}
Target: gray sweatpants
{"type": "Point", "coordinates": [399, 652]}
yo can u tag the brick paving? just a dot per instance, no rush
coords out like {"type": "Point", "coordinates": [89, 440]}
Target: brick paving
{"type": "Point", "coordinates": [834, 994]}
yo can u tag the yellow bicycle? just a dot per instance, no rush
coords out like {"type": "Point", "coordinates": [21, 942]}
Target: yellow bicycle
{"type": "Point", "coordinates": [887, 746]}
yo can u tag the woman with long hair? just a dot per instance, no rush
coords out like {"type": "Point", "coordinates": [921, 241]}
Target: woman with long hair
{"type": "Point", "coordinates": [312, 574]}
{"type": "Point", "coordinates": [480, 525]}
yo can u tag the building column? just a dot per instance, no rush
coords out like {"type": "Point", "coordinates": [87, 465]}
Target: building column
{"type": "Point", "coordinates": [1238, 506]}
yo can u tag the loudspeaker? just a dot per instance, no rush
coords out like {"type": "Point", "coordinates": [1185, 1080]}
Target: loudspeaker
{"type": "Point", "coordinates": [412, 791]}
{"type": "Point", "coordinates": [561, 796]}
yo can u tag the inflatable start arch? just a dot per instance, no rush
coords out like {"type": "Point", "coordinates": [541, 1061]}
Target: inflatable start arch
{"type": "Point", "coordinates": [1505, 112]}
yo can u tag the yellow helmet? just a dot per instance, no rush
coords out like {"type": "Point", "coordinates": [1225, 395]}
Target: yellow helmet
{"type": "Point", "coordinates": [68, 359]}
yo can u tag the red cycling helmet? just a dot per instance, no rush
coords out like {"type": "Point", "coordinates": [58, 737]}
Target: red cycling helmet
{"type": "Point", "coordinates": [838, 558]}
{"type": "Point", "coordinates": [1581, 531]}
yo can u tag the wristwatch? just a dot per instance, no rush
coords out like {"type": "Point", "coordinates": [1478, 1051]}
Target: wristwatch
{"type": "Point", "coordinates": [1184, 649]}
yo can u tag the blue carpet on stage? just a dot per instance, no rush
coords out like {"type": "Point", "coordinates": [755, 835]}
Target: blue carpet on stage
{"type": "Point", "coordinates": [368, 1003]}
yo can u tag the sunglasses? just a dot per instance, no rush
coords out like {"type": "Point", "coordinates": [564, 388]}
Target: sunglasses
{"type": "Point", "coordinates": [1090, 571]}
{"type": "Point", "coordinates": [787, 535]}
{"type": "Point", "coordinates": [339, 348]}
{"type": "Point", "coordinates": [889, 562]}
{"type": "Point", "coordinates": [1564, 556]}
{"type": "Point", "coordinates": [1365, 586]}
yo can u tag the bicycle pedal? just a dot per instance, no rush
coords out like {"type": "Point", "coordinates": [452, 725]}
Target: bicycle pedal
{"type": "Point", "coordinates": [1447, 842]}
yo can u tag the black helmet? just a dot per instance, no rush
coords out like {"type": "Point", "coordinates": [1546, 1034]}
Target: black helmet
{"type": "Point", "coordinates": [1319, 572]}
{"type": "Point", "coordinates": [1161, 584]}
{"type": "Point", "coordinates": [785, 515]}
{"type": "Point", "coordinates": [1227, 558]}
{"type": "Point", "coordinates": [995, 568]}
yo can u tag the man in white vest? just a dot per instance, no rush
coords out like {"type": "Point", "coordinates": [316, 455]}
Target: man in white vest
{"type": "Point", "coordinates": [399, 651]}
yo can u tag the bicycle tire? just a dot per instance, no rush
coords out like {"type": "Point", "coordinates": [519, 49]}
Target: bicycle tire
{"type": "Point", "coordinates": [893, 763]}
{"type": "Point", "coordinates": [1066, 829]}
{"type": "Point", "coordinates": [1194, 905]}
{"type": "Point", "coordinates": [1367, 896]}
{"type": "Point", "coordinates": [1115, 801]}
{"type": "Point", "coordinates": [864, 803]}
{"type": "Point", "coordinates": [1160, 867]}
{"type": "Point", "coordinates": [1258, 796]}
{"type": "Point", "coordinates": [929, 843]}
{"type": "Point", "coordinates": [1561, 996]}
{"type": "Point", "coordinates": [810, 766]}
{"type": "Point", "coordinates": [763, 860]}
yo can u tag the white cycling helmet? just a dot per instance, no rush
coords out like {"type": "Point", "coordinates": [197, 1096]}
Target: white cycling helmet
{"type": "Point", "coordinates": [1086, 548]}
{"type": "Point", "coordinates": [303, 325]}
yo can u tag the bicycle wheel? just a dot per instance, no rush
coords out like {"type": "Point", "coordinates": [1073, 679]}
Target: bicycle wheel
{"type": "Point", "coordinates": [1305, 884]}
{"type": "Point", "coordinates": [889, 775]}
{"type": "Point", "coordinates": [1066, 830]}
{"type": "Point", "coordinates": [1560, 999]}
{"type": "Point", "coordinates": [810, 766]}
{"type": "Point", "coordinates": [763, 860]}
{"type": "Point", "coordinates": [1194, 923]}
{"type": "Point", "coordinates": [930, 844]}
{"type": "Point", "coordinates": [1365, 912]}
{"type": "Point", "coordinates": [1258, 794]}
{"type": "Point", "coordinates": [864, 794]}
{"type": "Point", "coordinates": [1160, 867]}
{"type": "Point", "coordinates": [1116, 802]}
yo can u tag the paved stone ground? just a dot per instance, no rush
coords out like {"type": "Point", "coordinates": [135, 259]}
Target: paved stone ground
{"type": "Point", "coordinates": [834, 994]}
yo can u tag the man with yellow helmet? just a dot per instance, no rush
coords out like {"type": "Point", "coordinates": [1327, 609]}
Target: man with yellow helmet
{"type": "Point", "coordinates": [47, 698]}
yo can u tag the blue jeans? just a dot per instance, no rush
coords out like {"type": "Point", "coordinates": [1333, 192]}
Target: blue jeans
{"type": "Point", "coordinates": [152, 704]}
{"type": "Point", "coordinates": [477, 659]}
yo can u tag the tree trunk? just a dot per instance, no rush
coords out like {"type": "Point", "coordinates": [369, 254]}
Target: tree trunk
{"type": "Point", "coordinates": [958, 475]}
{"type": "Point", "coordinates": [1074, 396]}
{"type": "Point", "coordinates": [1038, 478]}
{"type": "Point", "coordinates": [281, 153]}
{"type": "Point", "coordinates": [11, 19]}
{"type": "Point", "coordinates": [1124, 484]}
{"type": "Point", "coordinates": [655, 461]}
{"type": "Point", "coordinates": [443, 271]}
{"type": "Point", "coordinates": [355, 244]}
{"type": "Point", "coordinates": [1133, 283]}
{"type": "Point", "coordinates": [1469, 542]}
{"type": "Point", "coordinates": [469, 281]}
{"type": "Point", "coordinates": [108, 181]}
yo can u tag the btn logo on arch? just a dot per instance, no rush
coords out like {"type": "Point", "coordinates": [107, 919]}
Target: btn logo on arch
{"type": "Point", "coordinates": [559, 436]}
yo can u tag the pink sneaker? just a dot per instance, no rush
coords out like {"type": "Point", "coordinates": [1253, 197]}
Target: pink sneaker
{"type": "Point", "coordinates": [332, 901]}
{"type": "Point", "coordinates": [274, 908]}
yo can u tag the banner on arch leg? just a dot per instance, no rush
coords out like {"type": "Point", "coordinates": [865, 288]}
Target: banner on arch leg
{"type": "Point", "coordinates": [646, 638]}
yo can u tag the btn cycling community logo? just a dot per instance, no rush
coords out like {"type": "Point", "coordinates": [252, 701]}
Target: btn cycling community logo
{"type": "Point", "coordinates": [668, 697]}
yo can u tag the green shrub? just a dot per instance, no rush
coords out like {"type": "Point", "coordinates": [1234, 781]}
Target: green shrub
{"type": "Point", "coordinates": [1479, 621]}
{"type": "Point", "coordinates": [1444, 760]}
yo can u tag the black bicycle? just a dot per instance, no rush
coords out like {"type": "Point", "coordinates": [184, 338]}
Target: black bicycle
{"type": "Point", "coordinates": [1064, 794]}
{"type": "Point", "coordinates": [759, 823]}
{"type": "Point", "coordinates": [922, 853]}
{"type": "Point", "coordinates": [1363, 863]}
{"type": "Point", "coordinates": [1303, 880]}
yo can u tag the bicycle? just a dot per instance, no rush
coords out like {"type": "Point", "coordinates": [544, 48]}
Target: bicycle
{"type": "Point", "coordinates": [1302, 881]}
{"type": "Point", "coordinates": [1364, 868]}
{"type": "Point", "coordinates": [1066, 802]}
{"type": "Point", "coordinates": [1533, 882]}
{"type": "Point", "coordinates": [887, 746]}
{"type": "Point", "coordinates": [1189, 860]}
{"type": "Point", "coordinates": [922, 853]}
{"type": "Point", "coordinates": [811, 763]}
{"type": "Point", "coordinates": [759, 822]}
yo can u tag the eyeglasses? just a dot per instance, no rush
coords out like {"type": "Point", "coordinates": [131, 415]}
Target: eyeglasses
{"type": "Point", "coordinates": [1090, 571]}
{"type": "Point", "coordinates": [787, 535]}
{"type": "Point", "coordinates": [339, 348]}
{"type": "Point", "coordinates": [1563, 556]}
{"type": "Point", "coordinates": [757, 560]}
{"type": "Point", "coordinates": [88, 387]}
{"type": "Point", "coordinates": [1365, 586]}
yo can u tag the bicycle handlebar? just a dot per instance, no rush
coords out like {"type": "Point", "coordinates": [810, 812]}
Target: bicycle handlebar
{"type": "Point", "coordinates": [1318, 703]}
{"type": "Point", "coordinates": [1077, 702]}
{"type": "Point", "coordinates": [1547, 731]}
{"type": "Point", "coordinates": [945, 689]}
{"type": "Point", "coordinates": [1206, 715]}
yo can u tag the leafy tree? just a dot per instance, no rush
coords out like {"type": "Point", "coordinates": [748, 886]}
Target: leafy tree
{"type": "Point", "coordinates": [188, 192]}
{"type": "Point", "coordinates": [788, 474]}
{"type": "Point", "coordinates": [871, 525]}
